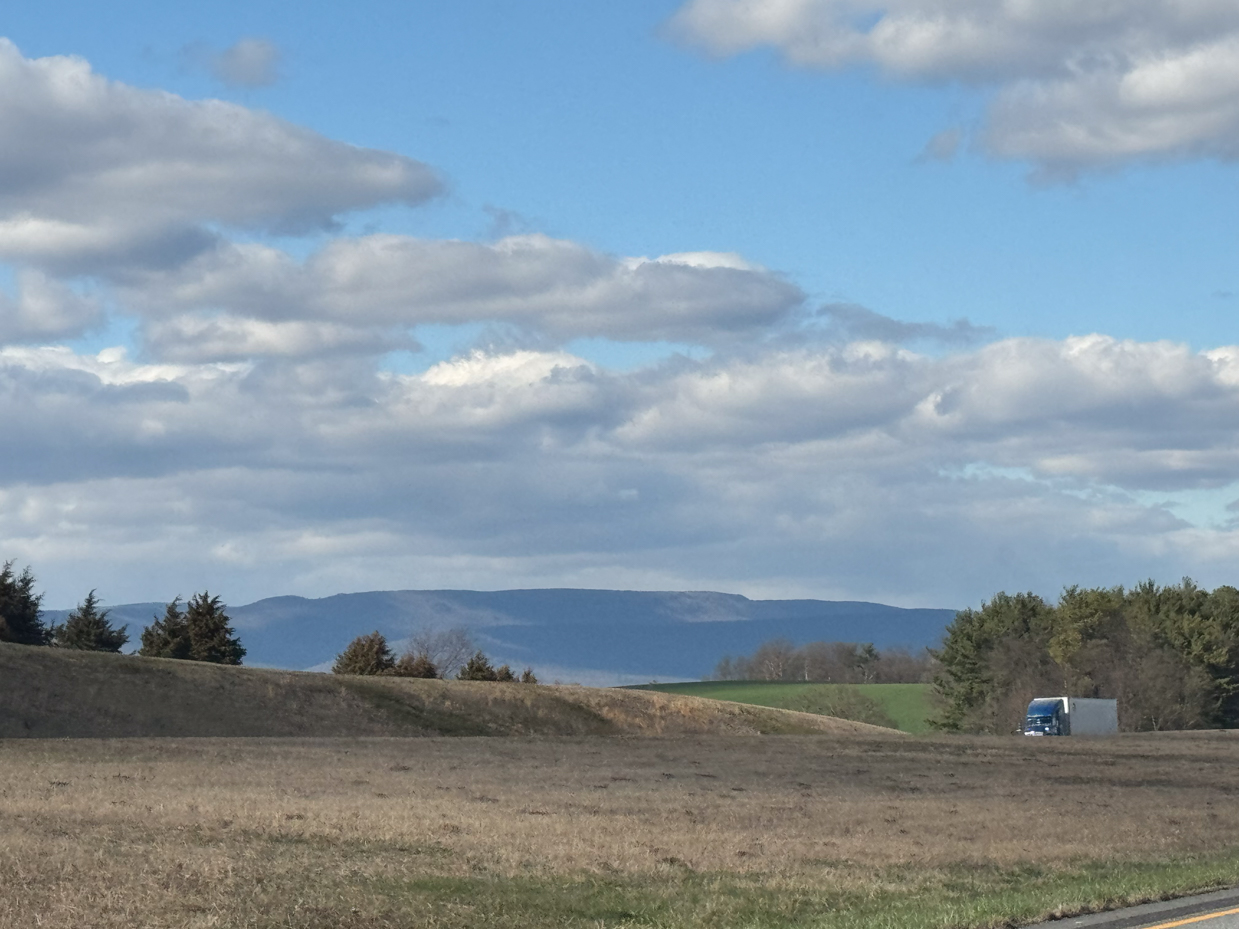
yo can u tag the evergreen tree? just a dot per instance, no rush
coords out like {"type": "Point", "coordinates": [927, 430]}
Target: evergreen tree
{"type": "Point", "coordinates": [19, 608]}
{"type": "Point", "coordinates": [867, 658]}
{"type": "Point", "coordinates": [479, 668]}
{"type": "Point", "coordinates": [528, 677]}
{"type": "Point", "coordinates": [1009, 631]}
{"type": "Point", "coordinates": [366, 654]}
{"type": "Point", "coordinates": [200, 632]}
{"type": "Point", "coordinates": [88, 628]}
{"type": "Point", "coordinates": [167, 637]}
{"type": "Point", "coordinates": [211, 637]}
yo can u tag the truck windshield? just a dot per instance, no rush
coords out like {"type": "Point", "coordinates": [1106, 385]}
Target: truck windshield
{"type": "Point", "coordinates": [1040, 721]}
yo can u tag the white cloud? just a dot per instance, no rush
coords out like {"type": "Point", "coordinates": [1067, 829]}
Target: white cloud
{"type": "Point", "coordinates": [224, 337]}
{"type": "Point", "coordinates": [133, 188]}
{"type": "Point", "coordinates": [251, 62]}
{"type": "Point", "coordinates": [96, 175]}
{"type": "Point", "coordinates": [249, 443]}
{"type": "Point", "coordinates": [835, 470]}
{"type": "Point", "coordinates": [1078, 84]}
{"type": "Point", "coordinates": [45, 309]}
{"type": "Point", "coordinates": [556, 289]}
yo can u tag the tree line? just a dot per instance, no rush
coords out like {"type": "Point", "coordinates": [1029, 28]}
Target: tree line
{"type": "Point", "coordinates": [199, 630]}
{"type": "Point", "coordinates": [1169, 655]}
{"type": "Point", "coordinates": [827, 662]}
{"type": "Point", "coordinates": [431, 654]}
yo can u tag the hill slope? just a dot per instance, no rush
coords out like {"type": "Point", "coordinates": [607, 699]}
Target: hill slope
{"type": "Point", "coordinates": [907, 704]}
{"type": "Point", "coordinates": [55, 693]}
{"type": "Point", "coordinates": [621, 636]}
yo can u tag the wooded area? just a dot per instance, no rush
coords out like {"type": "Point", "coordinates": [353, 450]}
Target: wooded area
{"type": "Point", "coordinates": [828, 663]}
{"type": "Point", "coordinates": [1169, 655]}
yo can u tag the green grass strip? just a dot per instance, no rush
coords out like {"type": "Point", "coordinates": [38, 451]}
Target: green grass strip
{"type": "Point", "coordinates": [960, 898]}
{"type": "Point", "coordinates": [907, 704]}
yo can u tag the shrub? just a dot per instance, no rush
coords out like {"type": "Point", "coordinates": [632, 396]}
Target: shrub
{"type": "Point", "coordinates": [843, 702]}
{"type": "Point", "coordinates": [479, 668]}
{"type": "Point", "coordinates": [366, 654]}
{"type": "Point", "coordinates": [415, 665]}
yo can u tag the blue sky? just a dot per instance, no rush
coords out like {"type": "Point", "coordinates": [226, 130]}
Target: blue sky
{"type": "Point", "coordinates": [550, 410]}
{"type": "Point", "coordinates": [589, 122]}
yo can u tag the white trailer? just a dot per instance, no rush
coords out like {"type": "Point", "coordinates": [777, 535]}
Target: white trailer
{"type": "Point", "coordinates": [1071, 716]}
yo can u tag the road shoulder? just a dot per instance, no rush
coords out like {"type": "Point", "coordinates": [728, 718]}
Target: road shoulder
{"type": "Point", "coordinates": [1149, 914]}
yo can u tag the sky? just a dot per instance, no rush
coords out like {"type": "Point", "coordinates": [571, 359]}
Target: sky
{"type": "Point", "coordinates": [898, 300]}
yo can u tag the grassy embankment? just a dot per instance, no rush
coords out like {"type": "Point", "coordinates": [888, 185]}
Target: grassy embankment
{"type": "Point", "coordinates": [58, 693]}
{"type": "Point", "coordinates": [907, 704]}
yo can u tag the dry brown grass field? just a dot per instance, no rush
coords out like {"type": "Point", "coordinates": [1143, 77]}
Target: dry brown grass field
{"type": "Point", "coordinates": [61, 693]}
{"type": "Point", "coordinates": [841, 829]}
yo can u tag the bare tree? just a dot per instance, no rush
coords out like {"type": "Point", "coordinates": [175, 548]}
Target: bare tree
{"type": "Point", "coordinates": [774, 661]}
{"type": "Point", "coordinates": [447, 649]}
{"type": "Point", "coordinates": [900, 666]}
{"type": "Point", "coordinates": [827, 662]}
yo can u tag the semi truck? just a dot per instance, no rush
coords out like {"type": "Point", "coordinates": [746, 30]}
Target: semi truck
{"type": "Point", "coordinates": [1071, 716]}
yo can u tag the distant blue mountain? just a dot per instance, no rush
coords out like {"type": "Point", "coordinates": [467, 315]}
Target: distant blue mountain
{"type": "Point", "coordinates": [596, 636]}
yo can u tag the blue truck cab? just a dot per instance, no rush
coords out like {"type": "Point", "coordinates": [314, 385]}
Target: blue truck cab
{"type": "Point", "coordinates": [1045, 717]}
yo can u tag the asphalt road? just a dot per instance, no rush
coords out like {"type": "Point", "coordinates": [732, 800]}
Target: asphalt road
{"type": "Point", "coordinates": [1218, 910]}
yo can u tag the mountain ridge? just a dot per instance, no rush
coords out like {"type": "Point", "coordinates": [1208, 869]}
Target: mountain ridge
{"type": "Point", "coordinates": [592, 635]}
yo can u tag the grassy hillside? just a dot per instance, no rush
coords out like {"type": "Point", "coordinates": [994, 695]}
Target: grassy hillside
{"type": "Point", "coordinates": [55, 693]}
{"type": "Point", "coordinates": [907, 704]}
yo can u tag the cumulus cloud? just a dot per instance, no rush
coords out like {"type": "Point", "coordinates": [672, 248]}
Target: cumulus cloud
{"type": "Point", "coordinates": [1030, 455]}
{"type": "Point", "coordinates": [250, 62]}
{"type": "Point", "coordinates": [1077, 84]}
{"type": "Point", "coordinates": [558, 289]}
{"type": "Point", "coordinates": [225, 337]}
{"type": "Point", "coordinates": [139, 190]}
{"type": "Point", "coordinates": [97, 176]}
{"type": "Point", "coordinates": [45, 309]}
{"type": "Point", "coordinates": [249, 442]}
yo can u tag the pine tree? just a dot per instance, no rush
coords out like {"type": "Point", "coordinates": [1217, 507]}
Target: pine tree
{"type": "Point", "coordinates": [88, 628]}
{"type": "Point", "coordinates": [19, 608]}
{"type": "Point", "coordinates": [167, 637]}
{"type": "Point", "coordinates": [504, 673]}
{"type": "Point", "coordinates": [366, 654]}
{"type": "Point", "coordinates": [478, 668]}
{"type": "Point", "coordinates": [210, 635]}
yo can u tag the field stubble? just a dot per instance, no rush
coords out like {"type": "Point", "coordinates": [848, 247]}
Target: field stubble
{"type": "Point", "coordinates": [712, 831]}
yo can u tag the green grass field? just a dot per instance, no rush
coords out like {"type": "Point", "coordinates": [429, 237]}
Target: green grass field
{"type": "Point", "coordinates": [907, 704]}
